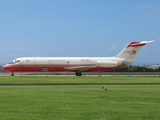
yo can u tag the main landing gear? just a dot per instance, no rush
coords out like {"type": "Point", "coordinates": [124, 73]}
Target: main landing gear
{"type": "Point", "coordinates": [78, 73]}
{"type": "Point", "coordinates": [12, 74]}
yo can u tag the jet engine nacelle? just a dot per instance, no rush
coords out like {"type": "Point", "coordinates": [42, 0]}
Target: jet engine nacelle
{"type": "Point", "coordinates": [107, 64]}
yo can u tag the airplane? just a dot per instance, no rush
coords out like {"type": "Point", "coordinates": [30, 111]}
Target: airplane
{"type": "Point", "coordinates": [153, 67]}
{"type": "Point", "coordinates": [75, 64]}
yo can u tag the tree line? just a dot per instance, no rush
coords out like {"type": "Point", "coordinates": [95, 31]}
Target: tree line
{"type": "Point", "coordinates": [132, 68]}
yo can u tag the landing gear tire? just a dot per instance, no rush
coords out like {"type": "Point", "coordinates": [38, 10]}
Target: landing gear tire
{"type": "Point", "coordinates": [78, 73]}
{"type": "Point", "coordinates": [12, 74]}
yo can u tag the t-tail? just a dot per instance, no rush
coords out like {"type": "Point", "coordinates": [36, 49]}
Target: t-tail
{"type": "Point", "coordinates": [132, 49]}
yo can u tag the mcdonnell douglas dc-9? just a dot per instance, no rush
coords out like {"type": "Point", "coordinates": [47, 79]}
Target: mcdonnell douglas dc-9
{"type": "Point", "coordinates": [75, 64]}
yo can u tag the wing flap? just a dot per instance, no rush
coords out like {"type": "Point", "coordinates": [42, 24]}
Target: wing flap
{"type": "Point", "coordinates": [81, 68]}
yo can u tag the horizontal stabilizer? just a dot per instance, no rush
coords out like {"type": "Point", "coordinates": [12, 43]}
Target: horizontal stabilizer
{"type": "Point", "coordinates": [133, 44]}
{"type": "Point", "coordinates": [147, 41]}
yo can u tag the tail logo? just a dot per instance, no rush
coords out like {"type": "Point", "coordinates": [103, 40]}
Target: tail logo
{"type": "Point", "coordinates": [132, 52]}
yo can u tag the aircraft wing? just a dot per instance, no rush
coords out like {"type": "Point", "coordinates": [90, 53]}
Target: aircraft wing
{"type": "Point", "coordinates": [81, 68]}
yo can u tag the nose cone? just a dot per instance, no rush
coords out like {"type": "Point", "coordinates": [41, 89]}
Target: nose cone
{"type": "Point", "coordinates": [6, 67]}
{"type": "Point", "coordinates": [12, 68]}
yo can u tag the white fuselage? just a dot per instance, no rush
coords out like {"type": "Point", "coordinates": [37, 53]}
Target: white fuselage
{"type": "Point", "coordinates": [56, 64]}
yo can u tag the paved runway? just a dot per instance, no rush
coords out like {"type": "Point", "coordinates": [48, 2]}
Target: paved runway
{"type": "Point", "coordinates": [84, 74]}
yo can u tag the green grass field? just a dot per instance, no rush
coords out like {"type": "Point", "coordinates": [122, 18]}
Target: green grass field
{"type": "Point", "coordinates": [79, 102]}
{"type": "Point", "coordinates": [76, 80]}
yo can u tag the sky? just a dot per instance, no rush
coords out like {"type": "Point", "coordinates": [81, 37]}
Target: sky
{"type": "Point", "coordinates": [78, 28]}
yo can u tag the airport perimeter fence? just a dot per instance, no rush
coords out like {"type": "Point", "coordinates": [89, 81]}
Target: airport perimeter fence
{"type": "Point", "coordinates": [130, 70]}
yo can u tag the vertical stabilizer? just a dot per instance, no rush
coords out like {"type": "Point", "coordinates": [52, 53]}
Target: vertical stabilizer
{"type": "Point", "coordinates": [132, 49]}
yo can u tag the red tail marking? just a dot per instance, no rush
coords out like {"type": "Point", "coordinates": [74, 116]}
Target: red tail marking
{"type": "Point", "coordinates": [135, 44]}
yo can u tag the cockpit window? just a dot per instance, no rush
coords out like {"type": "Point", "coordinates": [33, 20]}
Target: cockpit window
{"type": "Point", "coordinates": [17, 60]}
{"type": "Point", "coordinates": [14, 61]}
